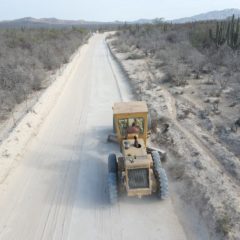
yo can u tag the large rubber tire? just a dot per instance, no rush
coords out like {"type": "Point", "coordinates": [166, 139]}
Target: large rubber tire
{"type": "Point", "coordinates": [156, 160]}
{"type": "Point", "coordinates": [162, 181]}
{"type": "Point", "coordinates": [112, 163]}
{"type": "Point", "coordinates": [112, 187]}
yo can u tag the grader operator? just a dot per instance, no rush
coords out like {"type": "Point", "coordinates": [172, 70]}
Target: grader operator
{"type": "Point", "coordinates": [138, 171]}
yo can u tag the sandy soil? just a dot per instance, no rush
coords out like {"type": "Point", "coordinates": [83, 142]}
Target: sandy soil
{"type": "Point", "coordinates": [54, 164]}
{"type": "Point", "coordinates": [205, 169]}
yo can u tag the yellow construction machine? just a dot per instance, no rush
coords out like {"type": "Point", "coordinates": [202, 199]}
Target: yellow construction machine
{"type": "Point", "coordinates": [138, 170]}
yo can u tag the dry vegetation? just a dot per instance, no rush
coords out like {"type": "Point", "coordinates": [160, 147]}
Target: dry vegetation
{"type": "Point", "coordinates": [190, 76]}
{"type": "Point", "coordinates": [189, 54]}
{"type": "Point", "coordinates": [182, 50]}
{"type": "Point", "coordinates": [27, 56]}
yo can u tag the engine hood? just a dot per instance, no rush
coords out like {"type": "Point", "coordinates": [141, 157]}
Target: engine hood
{"type": "Point", "coordinates": [135, 157]}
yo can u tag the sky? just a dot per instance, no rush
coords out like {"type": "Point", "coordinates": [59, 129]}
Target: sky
{"type": "Point", "coordinates": [110, 10]}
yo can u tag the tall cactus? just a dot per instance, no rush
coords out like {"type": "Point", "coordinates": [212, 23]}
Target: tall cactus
{"type": "Point", "coordinates": [220, 37]}
{"type": "Point", "coordinates": [233, 33]}
{"type": "Point", "coordinates": [165, 27]}
{"type": "Point", "coordinates": [229, 33]}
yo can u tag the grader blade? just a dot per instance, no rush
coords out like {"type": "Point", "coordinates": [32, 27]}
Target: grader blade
{"type": "Point", "coordinates": [112, 138]}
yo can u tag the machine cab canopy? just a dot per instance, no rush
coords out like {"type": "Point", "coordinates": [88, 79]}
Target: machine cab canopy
{"type": "Point", "coordinates": [127, 113]}
{"type": "Point", "coordinates": [130, 108]}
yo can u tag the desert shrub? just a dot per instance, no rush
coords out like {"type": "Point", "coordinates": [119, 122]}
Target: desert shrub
{"type": "Point", "coordinates": [199, 38]}
{"type": "Point", "coordinates": [168, 76]}
{"type": "Point", "coordinates": [121, 47]}
{"type": "Point", "coordinates": [182, 49]}
{"type": "Point", "coordinates": [134, 55]}
{"type": "Point", "coordinates": [181, 73]}
{"type": "Point", "coordinates": [26, 56]}
{"type": "Point", "coordinates": [197, 61]}
{"type": "Point", "coordinates": [172, 37]}
{"type": "Point", "coordinates": [223, 225]}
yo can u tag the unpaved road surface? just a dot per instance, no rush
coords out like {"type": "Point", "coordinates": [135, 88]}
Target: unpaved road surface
{"type": "Point", "coordinates": [57, 188]}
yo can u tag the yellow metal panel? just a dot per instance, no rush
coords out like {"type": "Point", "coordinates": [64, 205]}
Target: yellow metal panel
{"type": "Point", "coordinates": [139, 192]}
{"type": "Point", "coordinates": [133, 151]}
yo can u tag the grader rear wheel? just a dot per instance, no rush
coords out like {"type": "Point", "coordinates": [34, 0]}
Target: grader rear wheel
{"type": "Point", "coordinates": [112, 188]}
{"type": "Point", "coordinates": [160, 175]}
{"type": "Point", "coordinates": [112, 163]}
{"type": "Point", "coordinates": [112, 179]}
{"type": "Point", "coordinates": [156, 160]}
{"type": "Point", "coordinates": [162, 180]}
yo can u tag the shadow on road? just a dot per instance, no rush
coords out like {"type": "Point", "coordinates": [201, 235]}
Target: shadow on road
{"type": "Point", "coordinates": [78, 170]}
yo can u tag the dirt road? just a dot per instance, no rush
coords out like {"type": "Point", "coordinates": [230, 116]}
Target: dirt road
{"type": "Point", "coordinates": [57, 188]}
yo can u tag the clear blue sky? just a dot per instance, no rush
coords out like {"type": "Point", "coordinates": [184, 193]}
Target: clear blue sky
{"type": "Point", "coordinates": [109, 10]}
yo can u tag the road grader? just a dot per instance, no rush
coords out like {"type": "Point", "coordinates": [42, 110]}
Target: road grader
{"type": "Point", "coordinates": [138, 170]}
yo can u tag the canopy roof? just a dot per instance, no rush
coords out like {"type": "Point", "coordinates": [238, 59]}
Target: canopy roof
{"type": "Point", "coordinates": [130, 107]}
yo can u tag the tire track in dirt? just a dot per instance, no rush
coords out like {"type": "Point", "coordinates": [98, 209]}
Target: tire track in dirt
{"type": "Point", "coordinates": [199, 145]}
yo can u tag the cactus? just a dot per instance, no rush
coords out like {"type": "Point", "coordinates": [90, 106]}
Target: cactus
{"type": "Point", "coordinates": [138, 27]}
{"type": "Point", "coordinates": [220, 37]}
{"type": "Point", "coordinates": [233, 34]}
{"type": "Point", "coordinates": [229, 33]}
{"type": "Point", "coordinates": [165, 27]}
